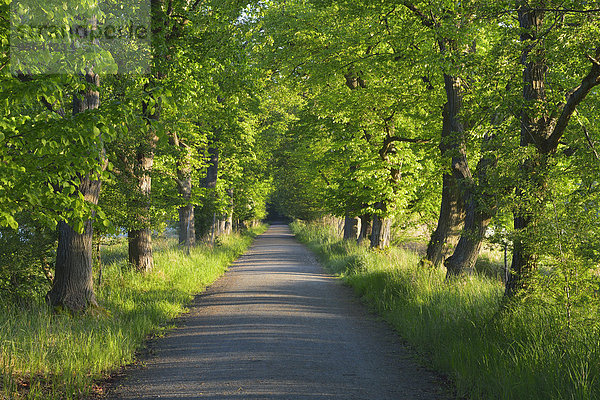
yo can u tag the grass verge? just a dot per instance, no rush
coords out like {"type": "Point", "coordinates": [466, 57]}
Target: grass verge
{"type": "Point", "coordinates": [524, 351]}
{"type": "Point", "coordinates": [57, 356]}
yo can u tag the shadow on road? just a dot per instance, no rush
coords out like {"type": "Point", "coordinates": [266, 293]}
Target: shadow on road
{"type": "Point", "coordinates": [277, 327]}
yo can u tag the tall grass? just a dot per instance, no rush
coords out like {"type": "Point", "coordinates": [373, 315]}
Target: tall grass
{"type": "Point", "coordinates": [57, 356]}
{"type": "Point", "coordinates": [522, 351]}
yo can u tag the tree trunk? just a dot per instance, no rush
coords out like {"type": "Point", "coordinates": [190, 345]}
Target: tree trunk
{"type": "Point", "coordinates": [208, 223]}
{"type": "Point", "coordinates": [140, 236]}
{"type": "Point", "coordinates": [366, 227]}
{"type": "Point", "coordinates": [532, 128]}
{"type": "Point", "coordinates": [212, 170]}
{"type": "Point", "coordinates": [543, 128]}
{"type": "Point", "coordinates": [187, 230]}
{"type": "Point", "coordinates": [229, 224]}
{"type": "Point", "coordinates": [222, 226]}
{"type": "Point", "coordinates": [462, 261]}
{"type": "Point", "coordinates": [72, 287]}
{"type": "Point", "coordinates": [351, 228]}
{"type": "Point", "coordinates": [449, 223]}
{"type": "Point", "coordinates": [479, 212]}
{"type": "Point", "coordinates": [187, 227]}
{"type": "Point", "coordinates": [140, 240]}
{"type": "Point", "coordinates": [452, 144]}
{"type": "Point", "coordinates": [380, 236]}
{"type": "Point", "coordinates": [140, 249]}
{"type": "Point", "coordinates": [229, 219]}
{"type": "Point", "coordinates": [523, 262]}
{"type": "Point", "coordinates": [381, 233]}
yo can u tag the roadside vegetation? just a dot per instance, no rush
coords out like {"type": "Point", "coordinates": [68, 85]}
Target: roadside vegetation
{"type": "Point", "coordinates": [470, 122]}
{"type": "Point", "coordinates": [491, 349]}
{"type": "Point", "coordinates": [48, 355]}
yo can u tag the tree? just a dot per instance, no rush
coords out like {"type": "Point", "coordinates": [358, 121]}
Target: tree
{"type": "Point", "coordinates": [544, 115]}
{"type": "Point", "coordinates": [72, 285]}
{"type": "Point", "coordinates": [340, 53]}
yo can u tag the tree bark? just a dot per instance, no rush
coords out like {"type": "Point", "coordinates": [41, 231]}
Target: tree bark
{"type": "Point", "coordinates": [447, 231]}
{"type": "Point", "coordinates": [453, 145]}
{"type": "Point", "coordinates": [382, 226]}
{"type": "Point", "coordinates": [222, 226]}
{"type": "Point", "coordinates": [229, 220]}
{"type": "Point", "coordinates": [187, 227]}
{"type": "Point", "coordinates": [212, 170]}
{"type": "Point", "coordinates": [479, 212]}
{"type": "Point", "coordinates": [524, 261]}
{"type": "Point", "coordinates": [532, 128]}
{"type": "Point", "coordinates": [366, 227]}
{"type": "Point", "coordinates": [351, 228]}
{"type": "Point", "coordinates": [140, 236]}
{"type": "Point", "coordinates": [140, 249]}
{"type": "Point", "coordinates": [72, 287]}
{"type": "Point", "coordinates": [208, 221]}
{"type": "Point", "coordinates": [140, 240]}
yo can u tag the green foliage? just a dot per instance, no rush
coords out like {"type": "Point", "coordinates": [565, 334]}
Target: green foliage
{"type": "Point", "coordinates": [360, 87]}
{"type": "Point", "coordinates": [328, 107]}
{"type": "Point", "coordinates": [44, 152]}
{"type": "Point", "coordinates": [366, 72]}
{"type": "Point", "coordinates": [44, 355]}
{"type": "Point", "coordinates": [26, 261]}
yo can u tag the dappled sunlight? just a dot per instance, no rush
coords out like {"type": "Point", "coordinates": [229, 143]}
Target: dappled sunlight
{"type": "Point", "coordinates": [278, 327]}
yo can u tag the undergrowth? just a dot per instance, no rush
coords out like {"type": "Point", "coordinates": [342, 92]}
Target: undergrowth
{"type": "Point", "coordinates": [44, 355]}
{"type": "Point", "coordinates": [490, 350]}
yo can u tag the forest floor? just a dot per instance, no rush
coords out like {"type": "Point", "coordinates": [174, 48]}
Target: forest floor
{"type": "Point", "coordinates": [276, 326]}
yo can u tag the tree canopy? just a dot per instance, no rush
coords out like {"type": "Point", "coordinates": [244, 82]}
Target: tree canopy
{"type": "Point", "coordinates": [475, 120]}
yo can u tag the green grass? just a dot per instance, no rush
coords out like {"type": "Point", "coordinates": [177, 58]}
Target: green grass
{"type": "Point", "coordinates": [522, 351]}
{"type": "Point", "coordinates": [58, 356]}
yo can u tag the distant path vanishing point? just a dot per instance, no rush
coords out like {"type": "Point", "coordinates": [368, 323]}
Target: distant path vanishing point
{"type": "Point", "coordinates": [277, 327]}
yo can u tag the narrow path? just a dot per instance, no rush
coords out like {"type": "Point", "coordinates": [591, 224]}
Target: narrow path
{"type": "Point", "coordinates": [277, 327]}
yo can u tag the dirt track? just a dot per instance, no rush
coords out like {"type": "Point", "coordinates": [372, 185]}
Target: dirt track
{"type": "Point", "coordinates": [277, 327]}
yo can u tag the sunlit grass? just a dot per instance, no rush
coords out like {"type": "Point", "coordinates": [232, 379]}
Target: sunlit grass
{"type": "Point", "coordinates": [520, 351]}
{"type": "Point", "coordinates": [58, 356]}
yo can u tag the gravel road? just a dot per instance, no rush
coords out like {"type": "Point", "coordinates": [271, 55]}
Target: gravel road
{"type": "Point", "coordinates": [277, 327]}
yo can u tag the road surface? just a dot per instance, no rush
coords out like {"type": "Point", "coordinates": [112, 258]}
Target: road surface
{"type": "Point", "coordinates": [277, 327]}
